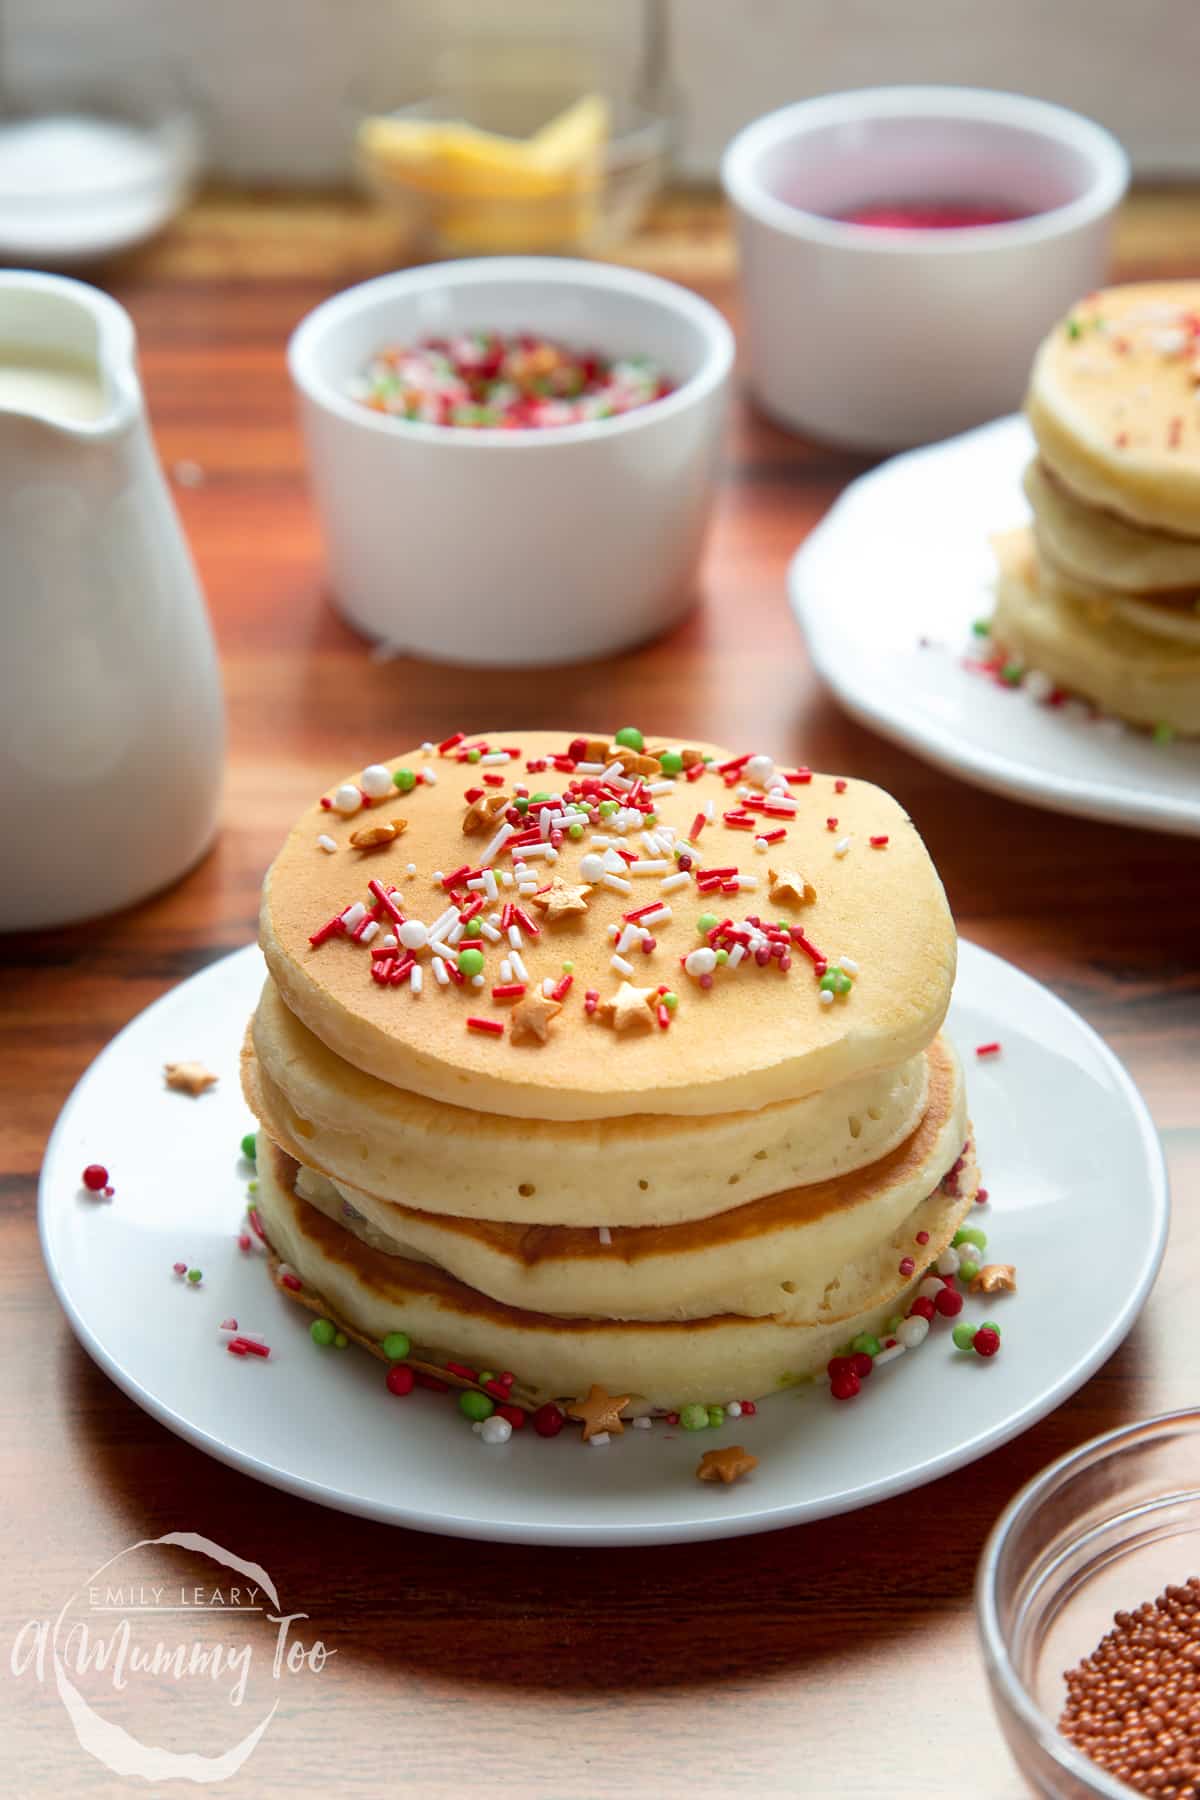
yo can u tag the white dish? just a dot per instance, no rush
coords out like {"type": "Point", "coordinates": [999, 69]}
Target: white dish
{"type": "Point", "coordinates": [1070, 1157]}
{"type": "Point", "coordinates": [886, 590]}
{"type": "Point", "coordinates": [885, 338]}
{"type": "Point", "coordinates": [514, 548]}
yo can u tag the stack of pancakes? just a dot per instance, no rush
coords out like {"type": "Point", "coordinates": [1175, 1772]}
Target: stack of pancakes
{"type": "Point", "coordinates": [1103, 593]}
{"type": "Point", "coordinates": [681, 1176]}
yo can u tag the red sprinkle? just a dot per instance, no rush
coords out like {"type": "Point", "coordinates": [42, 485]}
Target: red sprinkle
{"type": "Point", "coordinates": [562, 988]}
{"type": "Point", "coordinates": [845, 1387]}
{"type": "Point", "coordinates": [907, 1265]}
{"type": "Point", "coordinates": [922, 1307]}
{"type": "Point", "coordinates": [548, 1420]}
{"type": "Point", "coordinates": [987, 1049]}
{"type": "Point", "coordinates": [949, 1303]}
{"type": "Point", "coordinates": [293, 1282]}
{"type": "Point", "coordinates": [981, 1198]}
{"type": "Point", "coordinates": [401, 1379]}
{"type": "Point", "coordinates": [244, 1346]}
{"type": "Point", "coordinates": [922, 1237]}
{"type": "Point", "coordinates": [986, 1342]}
{"type": "Point", "coordinates": [510, 990]}
{"type": "Point", "coordinates": [431, 1382]}
{"type": "Point", "coordinates": [878, 843]}
{"type": "Point", "coordinates": [451, 743]}
{"type": "Point", "coordinates": [839, 786]}
{"type": "Point", "coordinates": [831, 824]}
{"type": "Point", "coordinates": [493, 1027]}
{"type": "Point", "coordinates": [514, 1414]}
{"type": "Point", "coordinates": [95, 1178]}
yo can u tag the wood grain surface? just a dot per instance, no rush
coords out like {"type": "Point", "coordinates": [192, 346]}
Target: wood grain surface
{"type": "Point", "coordinates": [836, 1659]}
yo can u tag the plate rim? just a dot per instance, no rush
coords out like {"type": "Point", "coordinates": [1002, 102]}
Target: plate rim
{"type": "Point", "coordinates": [1080, 797]}
{"type": "Point", "coordinates": [711, 1526]}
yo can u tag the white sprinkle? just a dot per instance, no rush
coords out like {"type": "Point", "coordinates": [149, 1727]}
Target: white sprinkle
{"type": "Point", "coordinates": [746, 881]}
{"type": "Point", "coordinates": [476, 884]}
{"type": "Point", "coordinates": [762, 846]}
{"type": "Point", "coordinates": [494, 756]}
{"type": "Point", "coordinates": [495, 1430]}
{"type": "Point", "coordinates": [892, 1352]}
{"type": "Point", "coordinates": [525, 888]}
{"type": "Point", "coordinates": [642, 1422]}
{"type": "Point", "coordinates": [347, 799]}
{"type": "Point", "coordinates": [410, 868]}
{"type": "Point", "coordinates": [514, 936]}
{"type": "Point", "coordinates": [848, 963]}
{"type": "Point", "coordinates": [930, 1288]}
{"type": "Point", "coordinates": [477, 981]}
{"type": "Point", "coordinates": [505, 971]}
{"type": "Point", "coordinates": [354, 915]}
{"type": "Point", "coordinates": [614, 770]}
{"type": "Point", "coordinates": [370, 931]}
{"type": "Point", "coordinates": [630, 937]}
{"type": "Point", "coordinates": [912, 1332]}
{"type": "Point", "coordinates": [674, 882]}
{"type": "Point", "coordinates": [1038, 685]}
{"type": "Point", "coordinates": [604, 1234]}
{"type": "Point", "coordinates": [443, 922]}
{"type": "Point", "coordinates": [617, 883]}
{"type": "Point", "coordinates": [413, 935]}
{"type": "Point", "coordinates": [376, 781]}
{"type": "Point", "coordinates": [439, 972]}
{"type": "Point", "coordinates": [947, 1263]}
{"type": "Point", "coordinates": [443, 951]}
{"type": "Point", "coordinates": [701, 961]}
{"type": "Point", "coordinates": [645, 866]}
{"type": "Point", "coordinates": [841, 847]}
{"type": "Point", "coordinates": [710, 811]}
{"type": "Point", "coordinates": [547, 986]}
{"type": "Point", "coordinates": [589, 768]}
{"type": "Point", "coordinates": [490, 932]}
{"type": "Point", "coordinates": [660, 787]}
{"type": "Point", "coordinates": [489, 885]}
{"type": "Point", "coordinates": [759, 770]}
{"type": "Point", "coordinates": [506, 880]}
{"type": "Point", "coordinates": [427, 748]}
{"type": "Point", "coordinates": [545, 821]}
{"type": "Point", "coordinates": [734, 1410]}
{"type": "Point", "coordinates": [497, 844]}
{"type": "Point", "coordinates": [438, 876]}
{"type": "Point", "coordinates": [429, 777]}
{"type": "Point", "coordinates": [326, 843]}
{"type": "Point", "coordinates": [599, 1439]}
{"type": "Point", "coordinates": [660, 916]}
{"type": "Point", "coordinates": [518, 964]}
{"type": "Point", "coordinates": [455, 934]}
{"type": "Point", "coordinates": [415, 978]}
{"type": "Point", "coordinates": [824, 998]}
{"type": "Point", "coordinates": [533, 852]}
{"type": "Point", "coordinates": [620, 965]}
{"type": "Point", "coordinates": [389, 941]}
{"type": "Point", "coordinates": [736, 955]}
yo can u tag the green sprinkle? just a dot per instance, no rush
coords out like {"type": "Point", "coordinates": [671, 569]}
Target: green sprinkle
{"type": "Point", "coordinates": [1164, 733]}
{"type": "Point", "coordinates": [694, 1417]}
{"type": "Point", "coordinates": [670, 762]}
{"type": "Point", "coordinates": [486, 1375]}
{"type": "Point", "coordinates": [250, 1146]}
{"type": "Point", "coordinates": [607, 808]}
{"type": "Point", "coordinates": [252, 1186]}
{"type": "Point", "coordinates": [405, 780]}
{"type": "Point", "coordinates": [568, 968]}
{"type": "Point", "coordinates": [970, 1234]}
{"type": "Point", "coordinates": [716, 1417]}
{"type": "Point", "coordinates": [521, 803]}
{"type": "Point", "coordinates": [538, 796]}
{"type": "Point", "coordinates": [651, 818]}
{"type": "Point", "coordinates": [722, 958]}
{"type": "Point", "coordinates": [195, 1276]}
{"type": "Point", "coordinates": [1098, 323]}
{"type": "Point", "coordinates": [575, 831]}
{"type": "Point", "coordinates": [340, 1341]}
{"type": "Point", "coordinates": [865, 1345]}
{"type": "Point", "coordinates": [967, 1269]}
{"type": "Point", "coordinates": [473, 756]}
{"type": "Point", "coordinates": [990, 1325]}
{"type": "Point", "coordinates": [708, 757]}
{"type": "Point", "coordinates": [982, 628]}
{"type": "Point", "coordinates": [630, 738]}
{"type": "Point", "coordinates": [323, 1332]}
{"type": "Point", "coordinates": [835, 981]}
{"type": "Point", "coordinates": [705, 923]}
{"type": "Point", "coordinates": [670, 1001]}
{"type": "Point", "coordinates": [892, 1325]}
{"type": "Point", "coordinates": [470, 962]}
{"type": "Point", "coordinates": [1074, 328]}
{"type": "Point", "coordinates": [964, 1335]}
{"type": "Point", "coordinates": [475, 1406]}
{"type": "Point", "coordinates": [396, 1346]}
{"type": "Point", "coordinates": [1012, 674]}
{"type": "Point", "coordinates": [472, 929]}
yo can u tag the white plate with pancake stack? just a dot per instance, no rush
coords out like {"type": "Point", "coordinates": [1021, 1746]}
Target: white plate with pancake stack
{"type": "Point", "coordinates": [563, 1206]}
{"type": "Point", "coordinates": [1095, 611]}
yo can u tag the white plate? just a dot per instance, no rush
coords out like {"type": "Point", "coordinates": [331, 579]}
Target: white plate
{"type": "Point", "coordinates": [903, 557]}
{"type": "Point", "coordinates": [1070, 1158]}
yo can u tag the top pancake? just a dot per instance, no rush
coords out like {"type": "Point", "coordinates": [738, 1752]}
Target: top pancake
{"type": "Point", "coordinates": [1112, 402]}
{"type": "Point", "coordinates": [756, 1035]}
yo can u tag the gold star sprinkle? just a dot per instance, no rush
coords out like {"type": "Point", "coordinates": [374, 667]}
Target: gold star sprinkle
{"type": "Point", "coordinates": [629, 1006]}
{"type": "Point", "coordinates": [189, 1077]}
{"type": "Point", "coordinates": [789, 884]}
{"type": "Point", "coordinates": [561, 899]}
{"type": "Point", "coordinates": [725, 1465]}
{"type": "Point", "coordinates": [599, 1412]}
{"type": "Point", "coordinates": [373, 837]}
{"type": "Point", "coordinates": [482, 814]}
{"type": "Point", "coordinates": [994, 1278]}
{"type": "Point", "coordinates": [532, 1015]}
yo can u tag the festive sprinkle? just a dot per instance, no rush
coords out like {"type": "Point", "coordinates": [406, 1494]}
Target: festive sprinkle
{"type": "Point", "coordinates": [493, 1027]}
{"type": "Point", "coordinates": [95, 1178]}
{"type": "Point", "coordinates": [987, 1049]}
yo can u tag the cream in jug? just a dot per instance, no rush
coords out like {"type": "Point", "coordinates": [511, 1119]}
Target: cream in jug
{"type": "Point", "coordinates": [112, 731]}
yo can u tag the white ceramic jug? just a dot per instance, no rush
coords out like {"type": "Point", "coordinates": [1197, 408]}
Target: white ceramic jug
{"type": "Point", "coordinates": [111, 721]}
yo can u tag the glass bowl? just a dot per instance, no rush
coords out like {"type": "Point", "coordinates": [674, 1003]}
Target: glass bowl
{"type": "Point", "coordinates": [1104, 1529]}
{"type": "Point", "coordinates": [585, 215]}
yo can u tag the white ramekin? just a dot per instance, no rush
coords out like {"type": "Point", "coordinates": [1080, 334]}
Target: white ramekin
{"type": "Point", "coordinates": [884, 339]}
{"type": "Point", "coordinates": [514, 547]}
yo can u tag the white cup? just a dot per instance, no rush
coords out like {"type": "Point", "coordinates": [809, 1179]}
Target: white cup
{"type": "Point", "coordinates": [514, 548]}
{"type": "Point", "coordinates": [880, 339]}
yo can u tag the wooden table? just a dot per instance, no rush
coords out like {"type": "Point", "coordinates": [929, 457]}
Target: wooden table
{"type": "Point", "coordinates": [834, 1659]}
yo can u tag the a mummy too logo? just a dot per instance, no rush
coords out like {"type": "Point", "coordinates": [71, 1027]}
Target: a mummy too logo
{"type": "Point", "coordinates": [171, 1659]}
